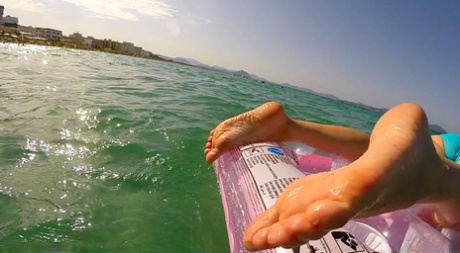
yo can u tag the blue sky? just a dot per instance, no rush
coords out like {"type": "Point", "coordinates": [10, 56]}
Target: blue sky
{"type": "Point", "coordinates": [380, 53]}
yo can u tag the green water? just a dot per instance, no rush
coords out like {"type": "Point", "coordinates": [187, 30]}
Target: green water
{"type": "Point", "coordinates": [104, 153]}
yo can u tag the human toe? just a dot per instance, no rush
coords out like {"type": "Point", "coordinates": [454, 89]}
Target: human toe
{"type": "Point", "coordinates": [256, 234]}
{"type": "Point", "coordinates": [279, 236]}
{"type": "Point", "coordinates": [212, 154]}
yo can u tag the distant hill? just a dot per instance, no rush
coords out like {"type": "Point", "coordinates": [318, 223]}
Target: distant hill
{"type": "Point", "coordinates": [310, 91]}
{"type": "Point", "coordinates": [189, 61]}
{"type": "Point", "coordinates": [195, 63]}
{"type": "Point", "coordinates": [241, 73]}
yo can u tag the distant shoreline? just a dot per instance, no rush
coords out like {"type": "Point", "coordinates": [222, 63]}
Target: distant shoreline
{"type": "Point", "coordinates": [87, 48]}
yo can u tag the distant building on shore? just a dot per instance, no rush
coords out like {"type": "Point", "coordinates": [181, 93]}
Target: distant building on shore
{"type": "Point", "coordinates": [138, 51]}
{"type": "Point", "coordinates": [48, 33]}
{"type": "Point", "coordinates": [89, 41]}
{"type": "Point", "coordinates": [10, 22]}
{"type": "Point", "coordinates": [27, 30]}
{"type": "Point", "coordinates": [111, 45]}
{"type": "Point", "coordinates": [77, 38]}
{"type": "Point", "coordinates": [98, 43]}
{"type": "Point", "coordinates": [127, 47]}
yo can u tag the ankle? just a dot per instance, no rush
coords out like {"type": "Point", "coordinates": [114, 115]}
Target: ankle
{"type": "Point", "coordinates": [289, 133]}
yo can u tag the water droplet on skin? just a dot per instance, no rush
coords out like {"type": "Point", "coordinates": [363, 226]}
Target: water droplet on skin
{"type": "Point", "coordinates": [335, 191]}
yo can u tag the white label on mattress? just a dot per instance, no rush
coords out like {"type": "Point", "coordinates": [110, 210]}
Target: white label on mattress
{"type": "Point", "coordinates": [336, 241]}
{"type": "Point", "coordinates": [273, 171]}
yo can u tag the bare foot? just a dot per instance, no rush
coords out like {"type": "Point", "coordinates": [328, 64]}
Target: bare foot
{"type": "Point", "coordinates": [400, 168]}
{"type": "Point", "coordinates": [265, 123]}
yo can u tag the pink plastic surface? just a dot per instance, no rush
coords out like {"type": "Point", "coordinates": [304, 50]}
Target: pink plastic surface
{"type": "Point", "coordinates": [403, 230]}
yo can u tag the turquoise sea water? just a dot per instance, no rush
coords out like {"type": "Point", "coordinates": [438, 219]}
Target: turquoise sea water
{"type": "Point", "coordinates": [104, 153]}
